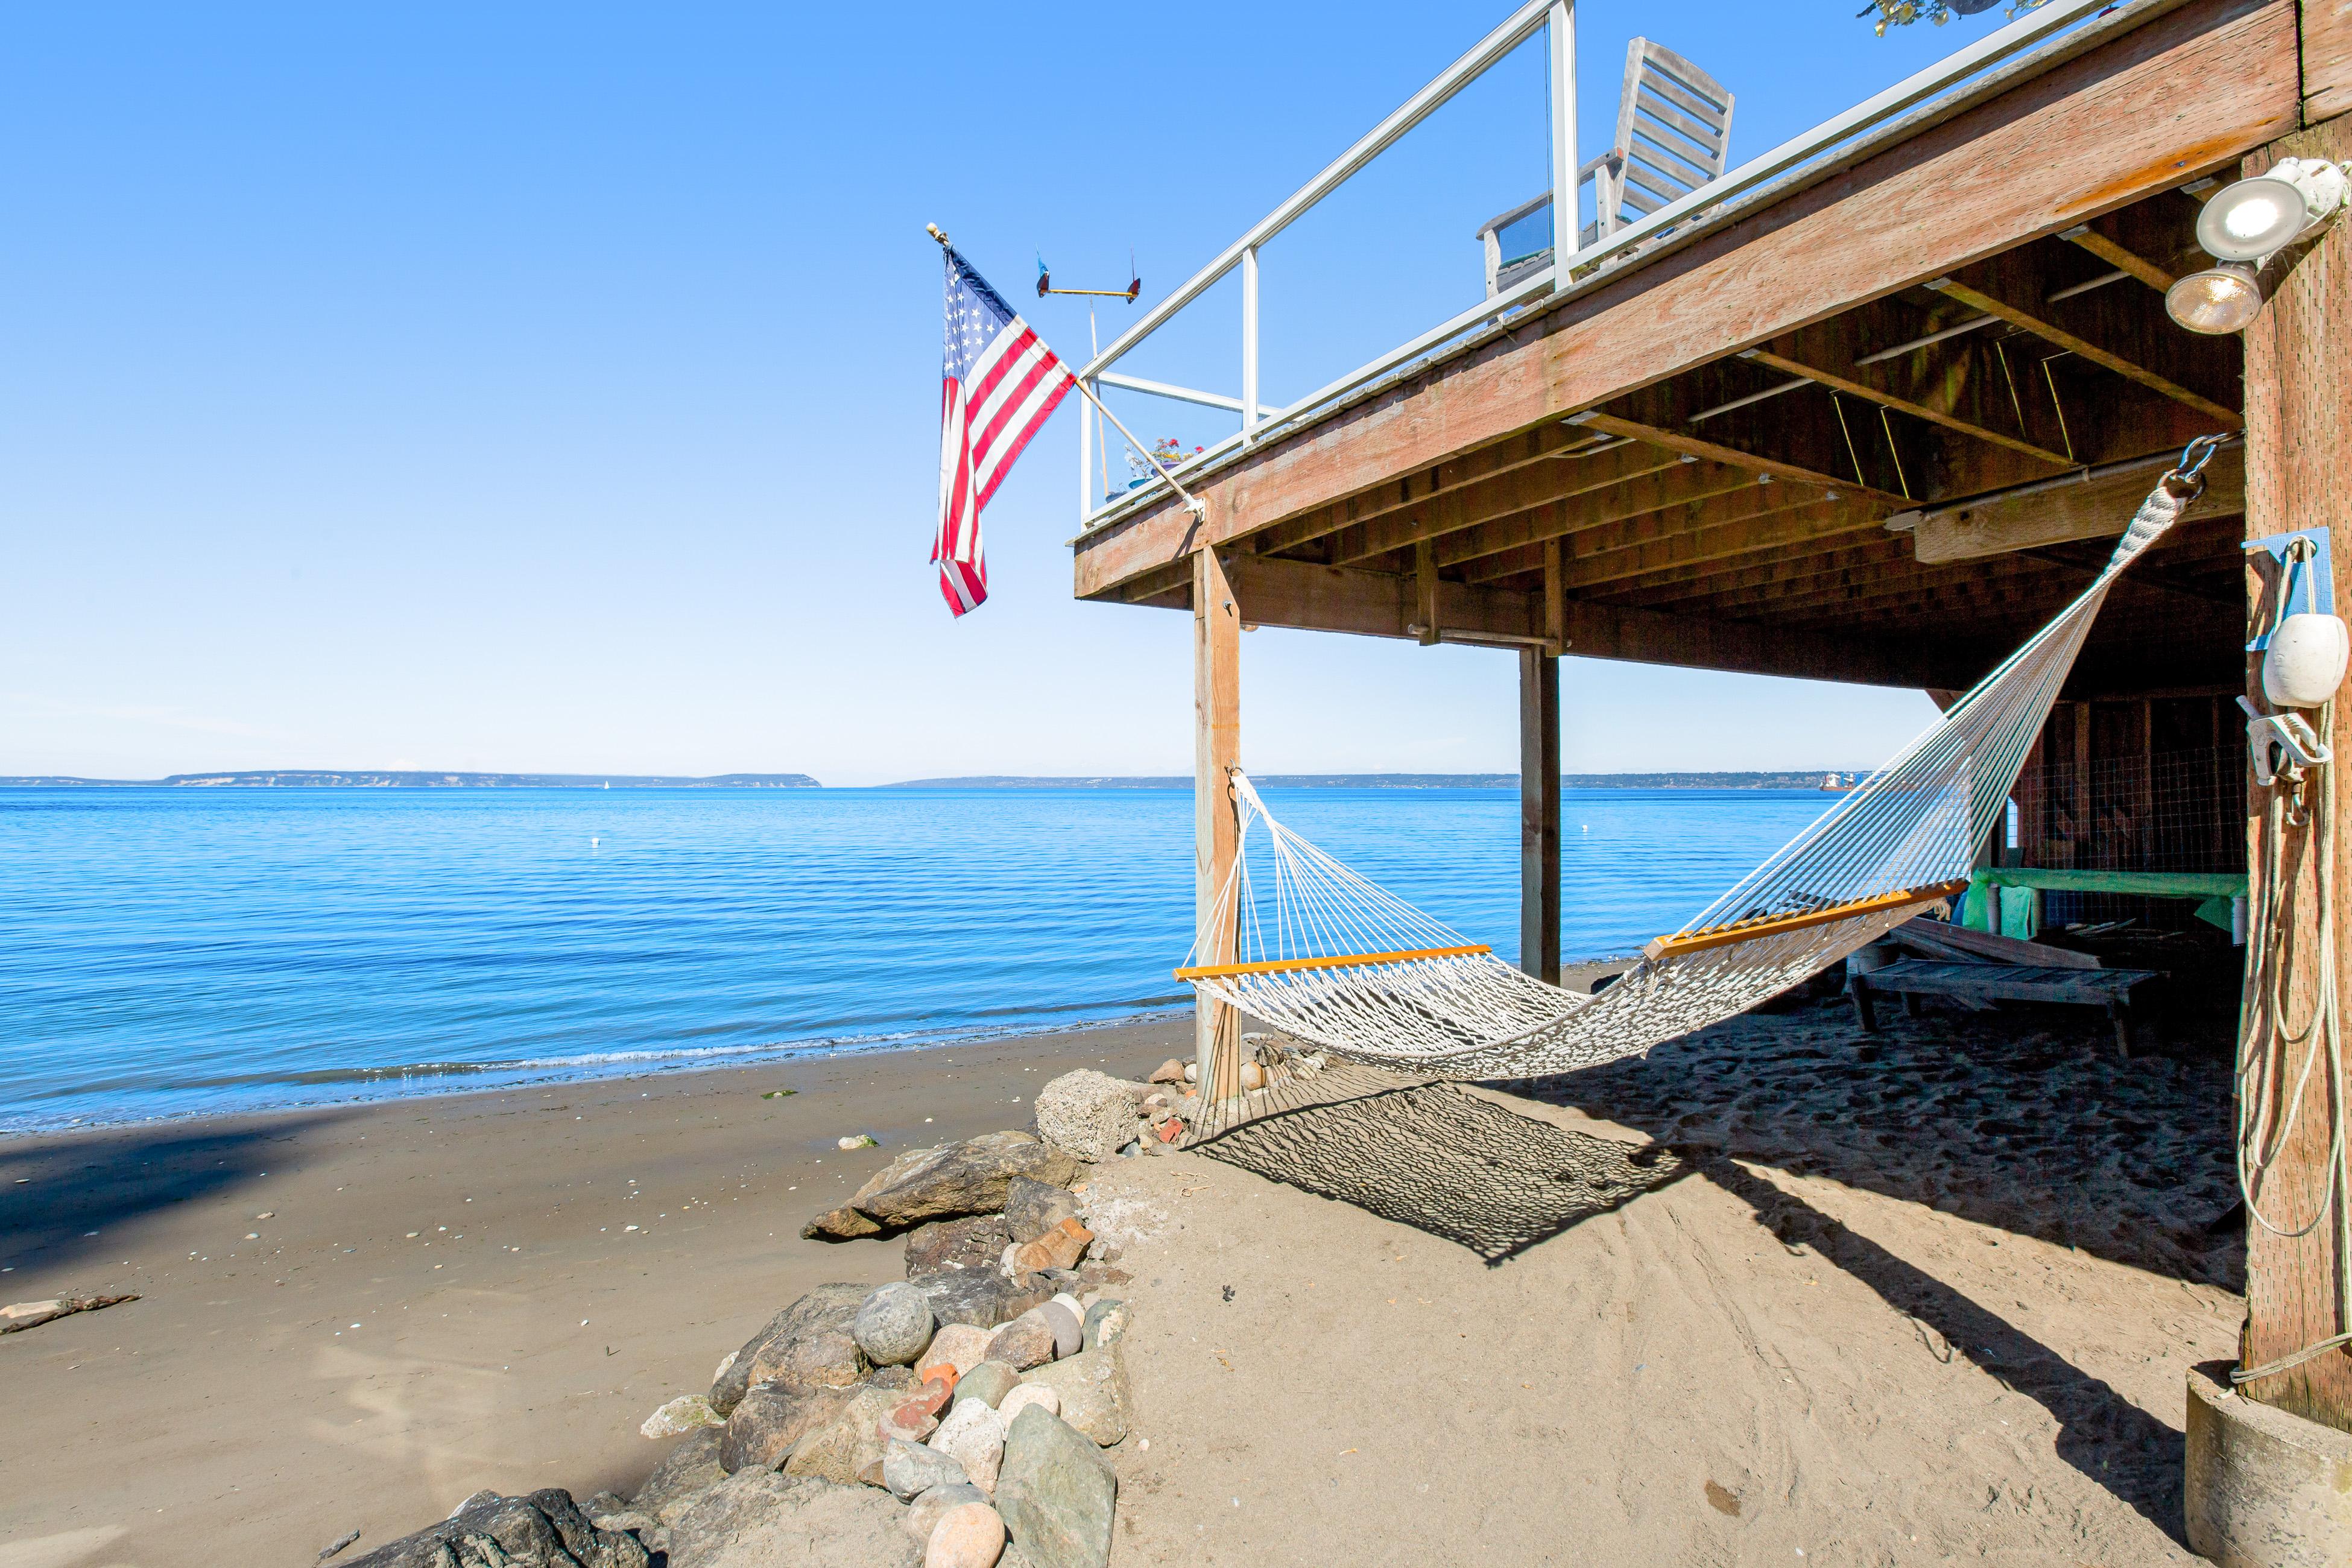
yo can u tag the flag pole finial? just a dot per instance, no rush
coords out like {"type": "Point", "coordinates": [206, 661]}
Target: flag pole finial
{"type": "Point", "coordinates": [934, 231]}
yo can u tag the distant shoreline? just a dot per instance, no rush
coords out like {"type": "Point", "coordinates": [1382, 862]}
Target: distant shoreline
{"type": "Point", "coordinates": [292, 778]}
{"type": "Point", "coordinates": [365, 778]}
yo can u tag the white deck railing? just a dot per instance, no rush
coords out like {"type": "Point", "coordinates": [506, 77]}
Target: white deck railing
{"type": "Point", "coordinates": [1557, 20]}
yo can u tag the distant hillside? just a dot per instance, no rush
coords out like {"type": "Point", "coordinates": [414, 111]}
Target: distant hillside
{"type": "Point", "coordinates": [362, 779]}
{"type": "Point", "coordinates": [1810, 780]}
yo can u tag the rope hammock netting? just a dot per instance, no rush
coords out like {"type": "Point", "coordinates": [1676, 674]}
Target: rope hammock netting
{"type": "Point", "coordinates": [1311, 949]}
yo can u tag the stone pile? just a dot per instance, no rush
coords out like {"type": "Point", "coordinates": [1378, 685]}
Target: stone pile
{"type": "Point", "coordinates": [957, 1419]}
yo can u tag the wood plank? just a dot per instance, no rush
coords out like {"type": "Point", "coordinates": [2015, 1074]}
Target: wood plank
{"type": "Point", "coordinates": [2037, 319]}
{"type": "Point", "coordinates": [1453, 511]}
{"type": "Point", "coordinates": [1545, 444]}
{"type": "Point", "coordinates": [1539, 814]}
{"type": "Point", "coordinates": [1594, 536]}
{"type": "Point", "coordinates": [1822, 520]}
{"type": "Point", "coordinates": [2326, 37]}
{"type": "Point", "coordinates": [2140, 112]}
{"type": "Point", "coordinates": [1674, 487]}
{"type": "Point", "coordinates": [1216, 823]}
{"type": "Point", "coordinates": [1995, 949]}
{"type": "Point", "coordinates": [1838, 485]}
{"type": "Point", "coordinates": [1850, 384]}
{"type": "Point", "coordinates": [2098, 508]}
{"type": "Point", "coordinates": [2299, 469]}
{"type": "Point", "coordinates": [2114, 255]}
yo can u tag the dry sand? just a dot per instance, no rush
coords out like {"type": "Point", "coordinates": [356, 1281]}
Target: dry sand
{"type": "Point", "coordinates": [1924, 1298]}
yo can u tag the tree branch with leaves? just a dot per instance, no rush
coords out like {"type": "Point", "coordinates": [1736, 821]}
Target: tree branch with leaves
{"type": "Point", "coordinates": [1902, 12]}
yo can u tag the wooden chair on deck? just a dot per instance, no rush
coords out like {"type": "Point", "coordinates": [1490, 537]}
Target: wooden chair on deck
{"type": "Point", "coordinates": [1673, 135]}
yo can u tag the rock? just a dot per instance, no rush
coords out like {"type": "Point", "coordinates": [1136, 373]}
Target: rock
{"type": "Point", "coordinates": [927, 1510]}
{"type": "Point", "coordinates": [935, 1394]}
{"type": "Point", "coordinates": [1087, 1113]}
{"type": "Point", "coordinates": [1253, 1076]}
{"type": "Point", "coordinates": [542, 1530]}
{"type": "Point", "coordinates": [1170, 1071]}
{"type": "Point", "coordinates": [761, 1520]}
{"type": "Point", "coordinates": [846, 1445]}
{"type": "Point", "coordinates": [762, 1430]}
{"type": "Point", "coordinates": [1032, 1208]}
{"type": "Point", "coordinates": [1057, 1493]}
{"type": "Point", "coordinates": [1095, 1276]}
{"type": "Point", "coordinates": [729, 1360]}
{"type": "Point", "coordinates": [893, 1325]}
{"type": "Point", "coordinates": [1027, 1395]}
{"type": "Point", "coordinates": [969, 1535]}
{"type": "Point", "coordinates": [960, 1346]}
{"type": "Point", "coordinates": [1060, 1248]}
{"type": "Point", "coordinates": [1094, 1391]}
{"type": "Point", "coordinates": [1169, 1131]}
{"type": "Point", "coordinates": [807, 1346]}
{"type": "Point", "coordinates": [910, 1469]}
{"type": "Point", "coordinates": [989, 1382]}
{"type": "Point", "coordinates": [966, 1178]}
{"type": "Point", "coordinates": [1104, 1323]}
{"type": "Point", "coordinates": [1192, 1072]}
{"type": "Point", "coordinates": [981, 1297]}
{"type": "Point", "coordinates": [1069, 1336]}
{"type": "Point", "coordinates": [899, 1380]}
{"type": "Point", "coordinates": [844, 1223]}
{"type": "Point", "coordinates": [681, 1415]}
{"type": "Point", "coordinates": [906, 1423]}
{"type": "Point", "coordinates": [1027, 1342]}
{"type": "Point", "coordinates": [685, 1470]}
{"type": "Point", "coordinates": [973, 1435]}
{"type": "Point", "coordinates": [974, 1243]}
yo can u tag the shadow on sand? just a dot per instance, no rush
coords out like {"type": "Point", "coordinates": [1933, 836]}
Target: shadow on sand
{"type": "Point", "coordinates": [57, 1190]}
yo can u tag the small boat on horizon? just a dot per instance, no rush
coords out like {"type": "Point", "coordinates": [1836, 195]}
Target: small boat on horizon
{"type": "Point", "coordinates": [1852, 781]}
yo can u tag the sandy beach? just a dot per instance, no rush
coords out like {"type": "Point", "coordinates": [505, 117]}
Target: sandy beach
{"type": "Point", "coordinates": [1780, 1288]}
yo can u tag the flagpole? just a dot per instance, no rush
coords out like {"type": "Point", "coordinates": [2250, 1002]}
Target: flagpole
{"type": "Point", "coordinates": [1192, 503]}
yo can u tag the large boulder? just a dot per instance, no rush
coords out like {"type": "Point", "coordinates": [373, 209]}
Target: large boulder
{"type": "Point", "coordinates": [1088, 1113]}
{"type": "Point", "coordinates": [1056, 1492]}
{"type": "Point", "coordinates": [980, 1297]}
{"type": "Point", "coordinates": [974, 1243]}
{"type": "Point", "coordinates": [809, 1344]}
{"type": "Point", "coordinates": [911, 1470]}
{"type": "Point", "coordinates": [692, 1467]}
{"type": "Point", "coordinates": [947, 1183]}
{"type": "Point", "coordinates": [924, 1515]}
{"type": "Point", "coordinates": [843, 1447]}
{"type": "Point", "coordinates": [542, 1529]}
{"type": "Point", "coordinates": [757, 1519]}
{"type": "Point", "coordinates": [762, 1431]}
{"type": "Point", "coordinates": [1096, 1396]}
{"type": "Point", "coordinates": [1033, 1207]}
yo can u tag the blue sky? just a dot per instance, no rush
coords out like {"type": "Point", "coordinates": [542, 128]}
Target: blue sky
{"type": "Point", "coordinates": [556, 386]}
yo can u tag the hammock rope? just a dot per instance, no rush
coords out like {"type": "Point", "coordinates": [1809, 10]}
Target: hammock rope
{"type": "Point", "coordinates": [1308, 946]}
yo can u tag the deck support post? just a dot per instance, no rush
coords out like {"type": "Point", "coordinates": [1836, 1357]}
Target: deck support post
{"type": "Point", "coordinates": [1216, 751]}
{"type": "Point", "coordinates": [1539, 814]}
{"type": "Point", "coordinates": [2255, 1495]}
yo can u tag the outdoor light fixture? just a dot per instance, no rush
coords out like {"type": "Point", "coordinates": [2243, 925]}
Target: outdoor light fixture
{"type": "Point", "coordinates": [2244, 225]}
{"type": "Point", "coordinates": [2224, 299]}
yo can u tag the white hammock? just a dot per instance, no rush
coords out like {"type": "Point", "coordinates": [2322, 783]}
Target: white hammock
{"type": "Point", "coordinates": [1323, 955]}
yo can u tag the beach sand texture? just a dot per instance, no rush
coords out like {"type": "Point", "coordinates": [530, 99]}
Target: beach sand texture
{"type": "Point", "coordinates": [1528, 1333]}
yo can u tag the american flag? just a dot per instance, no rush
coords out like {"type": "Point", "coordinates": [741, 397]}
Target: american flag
{"type": "Point", "coordinates": [999, 385]}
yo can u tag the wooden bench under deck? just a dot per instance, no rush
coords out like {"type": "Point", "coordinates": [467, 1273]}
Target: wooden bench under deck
{"type": "Point", "coordinates": [1913, 978]}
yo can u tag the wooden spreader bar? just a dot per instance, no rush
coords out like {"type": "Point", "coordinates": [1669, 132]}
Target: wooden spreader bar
{"type": "Point", "coordinates": [1348, 961]}
{"type": "Point", "coordinates": [1724, 936]}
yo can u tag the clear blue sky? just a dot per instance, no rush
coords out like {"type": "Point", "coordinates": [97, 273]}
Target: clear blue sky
{"type": "Point", "coordinates": [555, 387]}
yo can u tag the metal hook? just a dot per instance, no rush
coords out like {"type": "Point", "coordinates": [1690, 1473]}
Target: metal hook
{"type": "Point", "coordinates": [2196, 454]}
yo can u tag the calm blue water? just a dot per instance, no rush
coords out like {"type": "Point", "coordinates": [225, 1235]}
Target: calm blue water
{"type": "Point", "coordinates": [178, 951]}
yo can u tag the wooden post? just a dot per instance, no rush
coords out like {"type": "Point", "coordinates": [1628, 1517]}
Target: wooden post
{"type": "Point", "coordinates": [1216, 751]}
{"type": "Point", "coordinates": [1539, 814]}
{"type": "Point", "coordinates": [2299, 474]}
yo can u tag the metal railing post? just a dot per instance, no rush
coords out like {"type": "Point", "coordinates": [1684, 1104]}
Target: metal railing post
{"type": "Point", "coordinates": [1085, 461]}
{"type": "Point", "coordinates": [1559, 46]}
{"type": "Point", "coordinates": [1249, 342]}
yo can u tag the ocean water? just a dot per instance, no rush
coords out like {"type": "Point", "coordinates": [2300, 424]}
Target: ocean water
{"type": "Point", "coordinates": [175, 951]}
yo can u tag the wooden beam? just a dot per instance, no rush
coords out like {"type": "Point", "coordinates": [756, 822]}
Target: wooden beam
{"type": "Point", "coordinates": [1217, 824]}
{"type": "Point", "coordinates": [1539, 814]}
{"type": "Point", "coordinates": [1545, 444]}
{"type": "Point", "coordinates": [2090, 507]}
{"type": "Point", "coordinates": [2326, 39]}
{"type": "Point", "coordinates": [2113, 253]}
{"type": "Point", "coordinates": [1778, 571]}
{"type": "Point", "coordinates": [1580, 543]}
{"type": "Point", "coordinates": [1822, 520]}
{"type": "Point", "coordinates": [1469, 507]}
{"type": "Point", "coordinates": [2299, 463]}
{"type": "Point", "coordinates": [1425, 581]}
{"type": "Point", "coordinates": [1677, 486]}
{"type": "Point", "coordinates": [1850, 383]}
{"type": "Point", "coordinates": [2037, 319]}
{"type": "Point", "coordinates": [1838, 485]}
{"type": "Point", "coordinates": [2159, 104]}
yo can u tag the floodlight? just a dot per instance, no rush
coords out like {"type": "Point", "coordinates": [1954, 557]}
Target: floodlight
{"type": "Point", "coordinates": [2224, 299]}
{"type": "Point", "coordinates": [2255, 219]}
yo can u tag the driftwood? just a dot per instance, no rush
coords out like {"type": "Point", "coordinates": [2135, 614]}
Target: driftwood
{"type": "Point", "coordinates": [21, 1315]}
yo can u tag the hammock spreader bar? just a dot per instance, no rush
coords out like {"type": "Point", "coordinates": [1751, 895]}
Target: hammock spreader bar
{"type": "Point", "coordinates": [1345, 961]}
{"type": "Point", "coordinates": [1747, 930]}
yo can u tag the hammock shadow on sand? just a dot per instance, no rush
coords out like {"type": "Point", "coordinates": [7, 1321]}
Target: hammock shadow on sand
{"type": "Point", "coordinates": [1446, 1163]}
